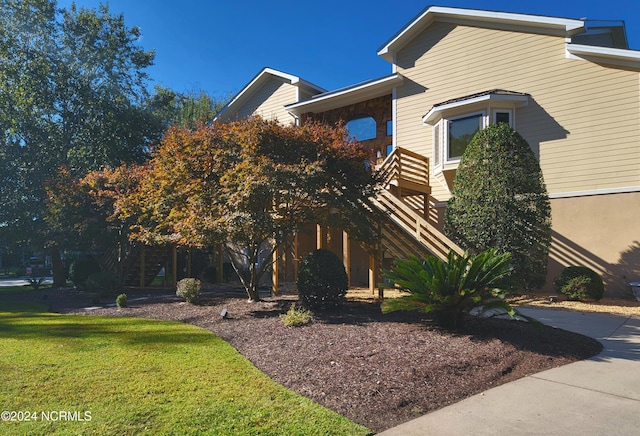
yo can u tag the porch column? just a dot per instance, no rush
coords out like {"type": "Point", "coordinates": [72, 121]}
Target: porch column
{"type": "Point", "coordinates": [142, 261]}
{"type": "Point", "coordinates": [346, 255]}
{"type": "Point", "coordinates": [321, 236]}
{"type": "Point", "coordinates": [274, 271]}
{"type": "Point", "coordinates": [296, 259]}
{"type": "Point", "coordinates": [220, 265]}
{"type": "Point", "coordinates": [174, 267]}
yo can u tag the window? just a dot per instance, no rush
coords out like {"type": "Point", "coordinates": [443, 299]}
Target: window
{"type": "Point", "coordinates": [390, 128]}
{"type": "Point", "coordinates": [437, 162]}
{"type": "Point", "coordinates": [456, 120]}
{"type": "Point", "coordinates": [502, 117]}
{"type": "Point", "coordinates": [451, 137]}
{"type": "Point", "coordinates": [362, 129]}
{"type": "Point", "coordinates": [461, 130]}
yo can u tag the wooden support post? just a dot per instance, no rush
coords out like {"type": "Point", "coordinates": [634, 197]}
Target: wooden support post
{"type": "Point", "coordinates": [380, 256]}
{"type": "Point", "coordinates": [274, 271]}
{"type": "Point", "coordinates": [142, 261]}
{"type": "Point", "coordinates": [346, 255]}
{"type": "Point", "coordinates": [296, 259]}
{"type": "Point", "coordinates": [220, 265]}
{"type": "Point", "coordinates": [426, 206]}
{"type": "Point", "coordinates": [321, 236]}
{"type": "Point", "coordinates": [174, 267]}
{"type": "Point", "coordinates": [373, 273]}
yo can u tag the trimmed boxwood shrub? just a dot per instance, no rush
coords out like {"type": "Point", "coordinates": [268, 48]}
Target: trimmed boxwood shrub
{"type": "Point", "coordinates": [81, 269]}
{"type": "Point", "coordinates": [499, 200]}
{"type": "Point", "coordinates": [189, 289]}
{"type": "Point", "coordinates": [103, 282]}
{"type": "Point", "coordinates": [322, 281]}
{"type": "Point", "coordinates": [579, 283]}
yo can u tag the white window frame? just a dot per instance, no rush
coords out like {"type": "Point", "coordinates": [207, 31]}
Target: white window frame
{"type": "Point", "coordinates": [441, 128]}
{"type": "Point", "coordinates": [512, 116]}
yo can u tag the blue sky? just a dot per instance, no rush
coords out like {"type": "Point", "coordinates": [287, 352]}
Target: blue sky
{"type": "Point", "coordinates": [220, 45]}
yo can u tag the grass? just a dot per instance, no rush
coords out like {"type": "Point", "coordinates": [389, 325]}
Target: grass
{"type": "Point", "coordinates": [137, 375]}
{"type": "Point", "coordinates": [21, 288]}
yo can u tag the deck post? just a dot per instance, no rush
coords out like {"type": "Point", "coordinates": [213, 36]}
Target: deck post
{"type": "Point", "coordinates": [174, 253]}
{"type": "Point", "coordinates": [346, 255]}
{"type": "Point", "coordinates": [275, 270]}
{"type": "Point", "coordinates": [142, 261]}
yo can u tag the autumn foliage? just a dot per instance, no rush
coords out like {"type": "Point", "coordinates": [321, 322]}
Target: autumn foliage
{"type": "Point", "coordinates": [250, 185]}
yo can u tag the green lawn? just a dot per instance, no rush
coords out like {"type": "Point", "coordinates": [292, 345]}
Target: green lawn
{"type": "Point", "coordinates": [133, 375]}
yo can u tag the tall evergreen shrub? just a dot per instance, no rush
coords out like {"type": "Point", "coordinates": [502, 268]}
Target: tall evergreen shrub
{"type": "Point", "coordinates": [499, 199]}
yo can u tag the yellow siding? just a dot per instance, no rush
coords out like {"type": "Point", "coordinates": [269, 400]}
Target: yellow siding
{"type": "Point", "coordinates": [582, 121]}
{"type": "Point", "coordinates": [269, 102]}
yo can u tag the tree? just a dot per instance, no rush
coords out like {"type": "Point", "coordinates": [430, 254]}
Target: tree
{"type": "Point", "coordinates": [72, 93]}
{"type": "Point", "coordinates": [499, 200]}
{"type": "Point", "coordinates": [190, 109]}
{"type": "Point", "coordinates": [251, 184]}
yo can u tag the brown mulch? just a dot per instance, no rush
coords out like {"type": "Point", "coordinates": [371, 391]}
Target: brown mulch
{"type": "Point", "coordinates": [378, 370]}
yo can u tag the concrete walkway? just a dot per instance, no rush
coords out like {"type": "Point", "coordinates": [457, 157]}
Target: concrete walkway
{"type": "Point", "coordinates": [597, 396]}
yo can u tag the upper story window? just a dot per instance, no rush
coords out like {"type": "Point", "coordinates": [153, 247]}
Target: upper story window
{"type": "Point", "coordinates": [459, 133]}
{"type": "Point", "coordinates": [389, 128]}
{"type": "Point", "coordinates": [362, 128]}
{"type": "Point", "coordinates": [456, 121]}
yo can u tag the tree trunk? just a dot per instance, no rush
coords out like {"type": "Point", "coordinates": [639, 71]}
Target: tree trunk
{"type": "Point", "coordinates": [59, 268]}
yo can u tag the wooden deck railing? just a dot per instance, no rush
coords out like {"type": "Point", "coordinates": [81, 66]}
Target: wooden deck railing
{"type": "Point", "coordinates": [406, 165]}
{"type": "Point", "coordinates": [407, 169]}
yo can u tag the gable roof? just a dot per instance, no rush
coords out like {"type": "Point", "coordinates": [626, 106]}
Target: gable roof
{"type": "Point", "coordinates": [425, 18]}
{"type": "Point", "coordinates": [260, 79]}
{"type": "Point", "coordinates": [348, 95]}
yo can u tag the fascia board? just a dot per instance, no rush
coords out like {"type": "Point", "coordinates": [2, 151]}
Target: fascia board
{"type": "Point", "coordinates": [617, 56]}
{"type": "Point", "coordinates": [426, 17]}
{"type": "Point", "coordinates": [345, 96]}
{"type": "Point", "coordinates": [294, 80]}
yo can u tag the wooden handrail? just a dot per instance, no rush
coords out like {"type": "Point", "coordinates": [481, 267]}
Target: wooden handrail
{"type": "Point", "coordinates": [415, 225]}
{"type": "Point", "coordinates": [403, 164]}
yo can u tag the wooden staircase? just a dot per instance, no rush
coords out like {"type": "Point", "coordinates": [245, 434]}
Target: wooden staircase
{"type": "Point", "coordinates": [136, 265]}
{"type": "Point", "coordinates": [404, 230]}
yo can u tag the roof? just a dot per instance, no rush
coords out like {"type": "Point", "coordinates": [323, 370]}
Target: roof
{"type": "Point", "coordinates": [565, 26]}
{"type": "Point", "coordinates": [261, 78]}
{"type": "Point", "coordinates": [512, 97]}
{"type": "Point", "coordinates": [351, 94]}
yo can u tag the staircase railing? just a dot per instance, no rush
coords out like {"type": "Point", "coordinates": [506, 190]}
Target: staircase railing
{"type": "Point", "coordinates": [403, 164]}
{"type": "Point", "coordinates": [406, 166]}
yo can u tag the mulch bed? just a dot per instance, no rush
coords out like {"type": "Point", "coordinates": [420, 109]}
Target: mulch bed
{"type": "Point", "coordinates": [378, 370]}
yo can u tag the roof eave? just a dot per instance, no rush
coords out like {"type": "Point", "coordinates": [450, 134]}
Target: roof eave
{"type": "Point", "coordinates": [427, 16]}
{"type": "Point", "coordinates": [616, 56]}
{"type": "Point", "coordinates": [294, 80]}
{"type": "Point", "coordinates": [342, 97]}
{"type": "Point", "coordinates": [436, 112]}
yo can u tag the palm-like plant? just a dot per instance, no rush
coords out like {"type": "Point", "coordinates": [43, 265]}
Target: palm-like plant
{"type": "Point", "coordinates": [451, 288]}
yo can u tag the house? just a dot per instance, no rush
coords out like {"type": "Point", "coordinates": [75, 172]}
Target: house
{"type": "Point", "coordinates": [570, 87]}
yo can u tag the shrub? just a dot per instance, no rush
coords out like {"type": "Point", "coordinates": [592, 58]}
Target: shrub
{"type": "Point", "coordinates": [121, 300]}
{"type": "Point", "coordinates": [189, 289]}
{"type": "Point", "coordinates": [322, 281]}
{"type": "Point", "coordinates": [36, 282]}
{"type": "Point", "coordinates": [499, 199]}
{"type": "Point", "coordinates": [103, 282]}
{"type": "Point", "coordinates": [451, 288]}
{"type": "Point", "coordinates": [296, 316]}
{"type": "Point", "coordinates": [80, 270]}
{"type": "Point", "coordinates": [579, 283]}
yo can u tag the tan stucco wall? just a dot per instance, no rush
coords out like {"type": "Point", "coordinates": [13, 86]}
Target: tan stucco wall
{"type": "Point", "coordinates": [601, 232]}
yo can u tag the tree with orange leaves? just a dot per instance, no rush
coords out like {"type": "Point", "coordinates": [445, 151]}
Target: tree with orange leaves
{"type": "Point", "coordinates": [250, 185]}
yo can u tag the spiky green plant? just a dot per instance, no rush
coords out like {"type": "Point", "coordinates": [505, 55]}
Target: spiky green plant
{"type": "Point", "coordinates": [451, 288]}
